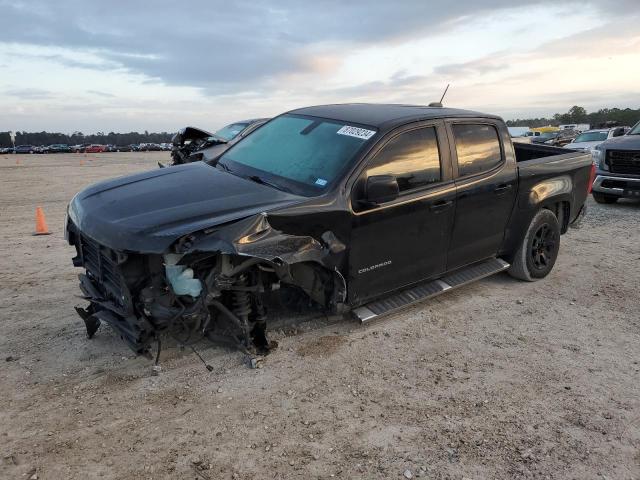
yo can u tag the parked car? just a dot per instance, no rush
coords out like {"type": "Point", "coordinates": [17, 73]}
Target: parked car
{"type": "Point", "coordinates": [617, 163]}
{"type": "Point", "coordinates": [6, 150]}
{"type": "Point", "coordinates": [122, 148]}
{"type": "Point", "coordinates": [95, 148]}
{"type": "Point", "coordinates": [80, 148]}
{"type": "Point", "coordinates": [117, 148]}
{"type": "Point", "coordinates": [59, 148]}
{"type": "Point", "coordinates": [358, 207]}
{"type": "Point", "coordinates": [589, 139]}
{"type": "Point", "coordinates": [558, 138]}
{"type": "Point", "coordinates": [149, 147]}
{"type": "Point", "coordinates": [192, 144]}
{"type": "Point", "coordinates": [25, 149]}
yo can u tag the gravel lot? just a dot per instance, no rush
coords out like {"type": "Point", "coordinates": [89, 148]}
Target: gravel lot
{"type": "Point", "coordinates": [500, 379]}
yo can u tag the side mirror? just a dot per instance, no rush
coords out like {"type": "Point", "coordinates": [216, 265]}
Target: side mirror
{"type": "Point", "coordinates": [381, 189]}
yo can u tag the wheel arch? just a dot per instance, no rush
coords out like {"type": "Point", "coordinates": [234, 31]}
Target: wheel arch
{"type": "Point", "coordinates": [559, 204]}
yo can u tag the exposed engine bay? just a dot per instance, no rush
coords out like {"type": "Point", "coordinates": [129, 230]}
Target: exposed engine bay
{"type": "Point", "coordinates": [213, 284]}
{"type": "Point", "coordinates": [188, 143]}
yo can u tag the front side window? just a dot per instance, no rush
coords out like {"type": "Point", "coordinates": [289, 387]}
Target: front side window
{"type": "Point", "coordinates": [412, 158]}
{"type": "Point", "coordinates": [477, 148]}
{"type": "Point", "coordinates": [302, 154]}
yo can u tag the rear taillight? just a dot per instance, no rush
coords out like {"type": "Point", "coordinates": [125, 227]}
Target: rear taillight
{"type": "Point", "coordinates": [592, 177]}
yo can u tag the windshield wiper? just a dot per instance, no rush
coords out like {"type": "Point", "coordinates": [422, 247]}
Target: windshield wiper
{"type": "Point", "coordinates": [262, 181]}
{"type": "Point", "coordinates": [224, 166]}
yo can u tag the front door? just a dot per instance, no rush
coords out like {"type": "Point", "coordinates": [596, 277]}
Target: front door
{"type": "Point", "coordinates": [404, 240]}
{"type": "Point", "coordinates": [485, 192]}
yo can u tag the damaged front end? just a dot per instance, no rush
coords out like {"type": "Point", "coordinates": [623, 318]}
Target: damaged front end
{"type": "Point", "coordinates": [188, 142]}
{"type": "Point", "coordinates": [211, 284]}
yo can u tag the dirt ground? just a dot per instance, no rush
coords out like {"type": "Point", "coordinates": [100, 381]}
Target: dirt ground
{"type": "Point", "coordinates": [500, 379]}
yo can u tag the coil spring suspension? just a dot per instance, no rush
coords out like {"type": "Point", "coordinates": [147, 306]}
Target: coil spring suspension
{"type": "Point", "coordinates": [242, 307]}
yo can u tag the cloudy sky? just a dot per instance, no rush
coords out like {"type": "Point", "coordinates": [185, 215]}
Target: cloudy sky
{"type": "Point", "coordinates": [157, 65]}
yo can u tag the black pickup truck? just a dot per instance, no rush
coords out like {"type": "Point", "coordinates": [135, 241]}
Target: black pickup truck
{"type": "Point", "coordinates": [358, 208]}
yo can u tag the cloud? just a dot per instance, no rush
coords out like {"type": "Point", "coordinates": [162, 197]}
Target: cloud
{"type": "Point", "coordinates": [223, 46]}
{"type": "Point", "coordinates": [29, 93]}
{"type": "Point", "coordinates": [137, 62]}
{"type": "Point", "coordinates": [475, 67]}
{"type": "Point", "coordinates": [101, 94]}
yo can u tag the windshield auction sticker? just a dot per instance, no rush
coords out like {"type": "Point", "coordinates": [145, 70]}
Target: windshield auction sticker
{"type": "Point", "coordinates": [356, 132]}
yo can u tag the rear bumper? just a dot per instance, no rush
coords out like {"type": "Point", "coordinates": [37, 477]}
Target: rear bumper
{"type": "Point", "coordinates": [615, 185]}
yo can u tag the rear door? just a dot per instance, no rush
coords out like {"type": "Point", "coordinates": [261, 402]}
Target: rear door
{"type": "Point", "coordinates": [405, 240]}
{"type": "Point", "coordinates": [485, 190]}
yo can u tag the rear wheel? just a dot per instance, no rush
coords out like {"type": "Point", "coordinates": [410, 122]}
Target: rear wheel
{"type": "Point", "coordinates": [602, 198]}
{"type": "Point", "coordinates": [539, 248]}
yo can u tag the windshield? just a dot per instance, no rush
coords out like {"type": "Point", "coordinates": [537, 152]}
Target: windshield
{"type": "Point", "coordinates": [635, 130]}
{"type": "Point", "coordinates": [230, 132]}
{"type": "Point", "coordinates": [591, 137]}
{"type": "Point", "coordinates": [302, 154]}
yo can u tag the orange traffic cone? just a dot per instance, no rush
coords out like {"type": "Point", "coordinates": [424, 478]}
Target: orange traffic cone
{"type": "Point", "coordinates": [17, 161]}
{"type": "Point", "coordinates": [41, 223]}
{"type": "Point", "coordinates": [81, 163]}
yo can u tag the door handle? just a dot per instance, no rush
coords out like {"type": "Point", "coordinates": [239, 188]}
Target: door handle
{"type": "Point", "coordinates": [504, 188]}
{"type": "Point", "coordinates": [440, 206]}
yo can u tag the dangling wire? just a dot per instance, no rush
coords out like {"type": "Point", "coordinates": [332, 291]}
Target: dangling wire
{"type": "Point", "coordinates": [158, 352]}
{"type": "Point", "coordinates": [208, 367]}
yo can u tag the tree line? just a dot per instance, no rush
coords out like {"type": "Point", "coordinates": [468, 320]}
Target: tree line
{"type": "Point", "coordinates": [77, 138]}
{"type": "Point", "coordinates": [576, 114]}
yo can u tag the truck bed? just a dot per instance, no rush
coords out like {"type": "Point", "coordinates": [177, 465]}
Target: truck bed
{"type": "Point", "coordinates": [533, 151]}
{"type": "Point", "coordinates": [545, 161]}
{"type": "Point", "coordinates": [545, 170]}
{"type": "Point", "coordinates": [566, 170]}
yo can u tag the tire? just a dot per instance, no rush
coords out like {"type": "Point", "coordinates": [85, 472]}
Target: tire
{"type": "Point", "coordinates": [539, 249]}
{"type": "Point", "coordinates": [602, 198]}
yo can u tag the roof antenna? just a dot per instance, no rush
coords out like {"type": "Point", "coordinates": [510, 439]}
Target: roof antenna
{"type": "Point", "coordinates": [439, 104]}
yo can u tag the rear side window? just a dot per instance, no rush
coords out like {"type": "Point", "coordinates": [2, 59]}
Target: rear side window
{"type": "Point", "coordinates": [412, 157]}
{"type": "Point", "coordinates": [478, 148]}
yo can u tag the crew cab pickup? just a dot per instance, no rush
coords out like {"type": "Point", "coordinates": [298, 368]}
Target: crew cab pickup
{"type": "Point", "coordinates": [359, 208]}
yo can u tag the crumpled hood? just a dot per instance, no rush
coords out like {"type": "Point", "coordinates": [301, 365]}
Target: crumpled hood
{"type": "Point", "coordinates": [147, 212]}
{"type": "Point", "coordinates": [625, 142]}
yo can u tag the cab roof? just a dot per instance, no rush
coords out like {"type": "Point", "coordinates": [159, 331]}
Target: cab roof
{"type": "Point", "coordinates": [385, 116]}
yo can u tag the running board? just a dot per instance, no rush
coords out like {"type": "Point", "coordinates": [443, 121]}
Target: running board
{"type": "Point", "coordinates": [422, 291]}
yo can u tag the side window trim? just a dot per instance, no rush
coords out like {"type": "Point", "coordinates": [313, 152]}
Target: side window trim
{"type": "Point", "coordinates": [409, 191]}
{"type": "Point", "coordinates": [454, 154]}
{"type": "Point", "coordinates": [446, 174]}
